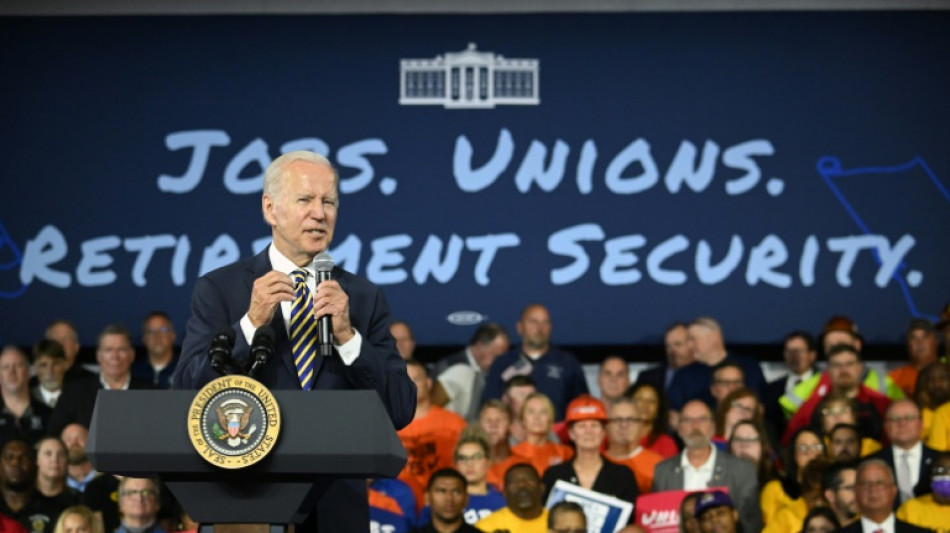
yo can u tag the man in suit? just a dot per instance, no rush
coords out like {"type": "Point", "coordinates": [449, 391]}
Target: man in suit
{"type": "Point", "coordinates": [678, 355]}
{"type": "Point", "coordinates": [701, 466]}
{"type": "Point", "coordinates": [800, 353]}
{"type": "Point", "coordinates": [300, 202]}
{"type": "Point", "coordinates": [114, 354]}
{"type": "Point", "coordinates": [875, 492]}
{"type": "Point", "coordinates": [460, 377]}
{"type": "Point", "coordinates": [907, 455]}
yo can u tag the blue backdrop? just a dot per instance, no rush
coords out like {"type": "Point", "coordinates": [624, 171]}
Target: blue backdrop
{"type": "Point", "coordinates": [768, 169]}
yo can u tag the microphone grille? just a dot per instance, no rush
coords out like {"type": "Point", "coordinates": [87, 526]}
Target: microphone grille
{"type": "Point", "coordinates": [323, 262]}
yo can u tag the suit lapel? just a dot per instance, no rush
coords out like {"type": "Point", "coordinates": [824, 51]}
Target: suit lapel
{"type": "Point", "coordinates": [258, 267]}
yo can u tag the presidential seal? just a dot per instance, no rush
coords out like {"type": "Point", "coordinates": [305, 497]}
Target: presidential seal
{"type": "Point", "coordinates": [234, 422]}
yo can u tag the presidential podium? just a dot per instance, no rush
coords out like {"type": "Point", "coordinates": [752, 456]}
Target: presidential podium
{"type": "Point", "coordinates": [324, 436]}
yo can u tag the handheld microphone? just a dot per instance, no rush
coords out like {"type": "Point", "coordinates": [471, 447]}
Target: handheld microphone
{"type": "Point", "coordinates": [323, 264]}
{"type": "Point", "coordinates": [220, 351]}
{"type": "Point", "coordinates": [262, 348]}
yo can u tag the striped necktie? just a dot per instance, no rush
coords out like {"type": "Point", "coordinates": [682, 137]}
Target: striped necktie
{"type": "Point", "coordinates": [303, 329]}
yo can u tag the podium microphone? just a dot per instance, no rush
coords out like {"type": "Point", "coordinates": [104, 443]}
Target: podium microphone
{"type": "Point", "coordinates": [323, 264]}
{"type": "Point", "coordinates": [220, 352]}
{"type": "Point", "coordinates": [262, 348]}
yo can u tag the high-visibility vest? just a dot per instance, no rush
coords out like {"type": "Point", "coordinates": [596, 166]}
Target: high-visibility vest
{"type": "Point", "coordinates": [792, 401]}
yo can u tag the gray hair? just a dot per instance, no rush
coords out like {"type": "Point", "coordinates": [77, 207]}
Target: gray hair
{"type": "Point", "coordinates": [275, 171]}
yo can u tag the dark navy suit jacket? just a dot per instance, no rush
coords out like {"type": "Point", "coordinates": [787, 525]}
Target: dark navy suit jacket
{"type": "Point", "coordinates": [927, 457]}
{"type": "Point", "coordinates": [221, 298]}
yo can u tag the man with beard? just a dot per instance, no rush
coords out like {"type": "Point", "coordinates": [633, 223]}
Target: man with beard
{"type": "Point", "coordinates": [20, 499]}
{"type": "Point", "coordinates": [524, 512]}
{"type": "Point", "coordinates": [80, 471]}
{"type": "Point", "coordinates": [845, 443]}
{"type": "Point", "coordinates": [701, 466]}
{"type": "Point", "coordinates": [837, 482]}
{"type": "Point", "coordinates": [447, 498]}
{"type": "Point", "coordinates": [554, 372]}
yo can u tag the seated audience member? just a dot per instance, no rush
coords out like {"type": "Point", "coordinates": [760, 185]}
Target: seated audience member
{"type": "Point", "coordinates": [624, 428]}
{"type": "Point", "coordinates": [931, 510]}
{"type": "Point", "coordinates": [787, 491]}
{"type": "Point", "coordinates": [613, 379]}
{"type": "Point", "coordinates": [655, 412]}
{"type": "Point", "coordinates": [78, 467]}
{"type": "Point", "coordinates": [837, 484]}
{"type": "Point", "coordinates": [845, 443]}
{"type": "Point", "coordinates": [447, 498]}
{"type": "Point", "coordinates": [78, 519]}
{"type": "Point", "coordinates": [688, 522]}
{"type": "Point", "coordinates": [114, 355]}
{"type": "Point", "coordinates": [820, 520]}
{"type": "Point", "coordinates": [799, 352]}
{"type": "Point", "coordinates": [938, 398]}
{"type": "Point", "coordinates": [21, 501]}
{"type": "Point", "coordinates": [678, 355]}
{"type": "Point", "coordinates": [748, 441]}
{"type": "Point", "coordinates": [524, 510]}
{"type": "Point", "coordinates": [63, 332]}
{"type": "Point", "coordinates": [727, 376]}
{"type": "Point", "coordinates": [405, 340]}
{"type": "Point", "coordinates": [494, 419]}
{"type": "Point", "coordinates": [702, 466]}
{"type": "Point", "coordinates": [922, 344]}
{"type": "Point", "coordinates": [567, 517]}
{"type": "Point", "coordinates": [555, 373]}
{"type": "Point", "coordinates": [472, 461]}
{"type": "Point", "coordinates": [431, 436]}
{"type": "Point", "coordinates": [907, 456]}
{"type": "Point", "coordinates": [932, 391]}
{"type": "Point", "coordinates": [22, 416]}
{"type": "Point", "coordinates": [875, 492]}
{"type": "Point", "coordinates": [835, 410]}
{"type": "Point", "coordinates": [708, 345]}
{"type": "Point", "coordinates": [586, 418]}
{"type": "Point", "coordinates": [49, 363]}
{"type": "Point", "coordinates": [385, 513]}
{"type": "Point", "coordinates": [158, 338]}
{"type": "Point", "coordinates": [537, 417]}
{"type": "Point", "coordinates": [515, 391]}
{"type": "Point", "coordinates": [51, 488]}
{"type": "Point", "coordinates": [460, 377]}
{"type": "Point", "coordinates": [139, 503]}
{"type": "Point", "coordinates": [790, 518]}
{"type": "Point", "coordinates": [740, 404]}
{"type": "Point", "coordinates": [716, 513]}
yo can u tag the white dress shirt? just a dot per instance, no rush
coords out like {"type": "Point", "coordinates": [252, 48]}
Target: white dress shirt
{"type": "Point", "coordinates": [697, 478]}
{"type": "Point", "coordinates": [915, 455]}
{"type": "Point", "coordinates": [869, 526]}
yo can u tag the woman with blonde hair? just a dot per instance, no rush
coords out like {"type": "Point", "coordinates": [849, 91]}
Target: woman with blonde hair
{"type": "Point", "coordinates": [537, 417]}
{"type": "Point", "coordinates": [78, 519]}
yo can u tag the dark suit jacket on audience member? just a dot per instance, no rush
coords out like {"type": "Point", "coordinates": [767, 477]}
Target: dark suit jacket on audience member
{"type": "Point", "coordinates": [221, 298]}
{"type": "Point", "coordinates": [928, 455]}
{"type": "Point", "coordinates": [78, 399]}
{"type": "Point", "coordinates": [899, 527]}
{"type": "Point", "coordinates": [655, 375]}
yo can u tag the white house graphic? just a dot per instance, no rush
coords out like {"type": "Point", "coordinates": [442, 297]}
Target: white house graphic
{"type": "Point", "coordinates": [468, 80]}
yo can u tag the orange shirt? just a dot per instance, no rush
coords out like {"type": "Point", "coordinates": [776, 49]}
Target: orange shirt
{"type": "Point", "coordinates": [904, 377]}
{"type": "Point", "coordinates": [430, 444]}
{"type": "Point", "coordinates": [643, 462]}
{"type": "Point", "coordinates": [545, 455]}
{"type": "Point", "coordinates": [496, 472]}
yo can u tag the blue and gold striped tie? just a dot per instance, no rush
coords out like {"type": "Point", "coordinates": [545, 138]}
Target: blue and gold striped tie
{"type": "Point", "coordinates": [303, 329]}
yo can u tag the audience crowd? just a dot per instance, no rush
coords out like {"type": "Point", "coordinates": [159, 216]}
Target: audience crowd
{"type": "Point", "coordinates": [831, 445]}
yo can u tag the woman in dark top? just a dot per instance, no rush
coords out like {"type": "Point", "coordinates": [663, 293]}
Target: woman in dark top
{"type": "Point", "coordinates": [589, 469]}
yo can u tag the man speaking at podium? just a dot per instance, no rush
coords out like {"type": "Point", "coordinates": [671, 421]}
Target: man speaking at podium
{"type": "Point", "coordinates": [279, 287]}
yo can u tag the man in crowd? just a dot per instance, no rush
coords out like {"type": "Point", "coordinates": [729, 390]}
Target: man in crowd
{"type": "Point", "coordinates": [624, 431]}
{"type": "Point", "coordinates": [20, 500]}
{"type": "Point", "coordinates": [556, 373]}
{"type": "Point", "coordinates": [566, 516]}
{"type": "Point", "coordinates": [875, 492]}
{"type": "Point", "coordinates": [716, 513]}
{"type": "Point", "coordinates": [22, 416]}
{"type": "Point", "coordinates": [78, 467]}
{"type": "Point", "coordinates": [931, 510]}
{"type": "Point", "coordinates": [49, 363]}
{"type": "Point", "coordinates": [837, 484]}
{"type": "Point", "coordinates": [845, 445]}
{"type": "Point", "coordinates": [405, 341]}
{"type": "Point", "coordinates": [515, 391]}
{"type": "Point", "coordinates": [431, 436]}
{"type": "Point", "coordinates": [701, 466]}
{"type": "Point", "coordinates": [524, 510]}
{"type": "Point", "coordinates": [613, 379]}
{"type": "Point", "coordinates": [922, 345]}
{"type": "Point", "coordinates": [727, 376]}
{"type": "Point", "coordinates": [678, 355]}
{"type": "Point", "coordinates": [800, 354]}
{"type": "Point", "coordinates": [114, 355]}
{"type": "Point", "coordinates": [139, 503]}
{"type": "Point", "coordinates": [63, 332]}
{"type": "Point", "coordinates": [907, 456]}
{"type": "Point", "coordinates": [447, 498]}
{"type": "Point", "coordinates": [158, 337]}
{"type": "Point", "coordinates": [460, 377]}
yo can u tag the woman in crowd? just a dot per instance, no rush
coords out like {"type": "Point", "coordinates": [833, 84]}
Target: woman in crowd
{"type": "Point", "coordinates": [834, 410]}
{"type": "Point", "coordinates": [656, 414]}
{"type": "Point", "coordinates": [740, 404]}
{"type": "Point", "coordinates": [586, 421]}
{"type": "Point", "coordinates": [77, 519]}
{"type": "Point", "coordinates": [787, 491]}
{"type": "Point", "coordinates": [52, 493]}
{"type": "Point", "coordinates": [748, 441]}
{"type": "Point", "coordinates": [820, 520]}
{"type": "Point", "coordinates": [789, 518]}
{"type": "Point", "coordinates": [537, 416]}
